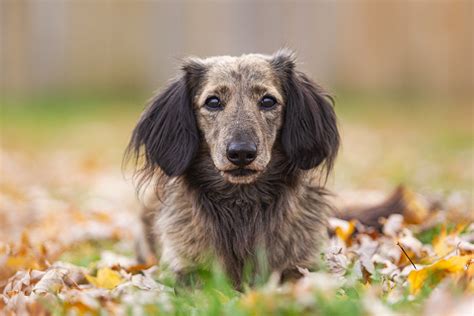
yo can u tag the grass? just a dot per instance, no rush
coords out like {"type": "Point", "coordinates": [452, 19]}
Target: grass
{"type": "Point", "coordinates": [211, 293]}
{"type": "Point", "coordinates": [38, 121]}
{"type": "Point", "coordinates": [86, 253]}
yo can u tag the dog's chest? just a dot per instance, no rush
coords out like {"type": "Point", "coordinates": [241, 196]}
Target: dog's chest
{"type": "Point", "coordinates": [237, 227]}
{"type": "Point", "coordinates": [238, 220]}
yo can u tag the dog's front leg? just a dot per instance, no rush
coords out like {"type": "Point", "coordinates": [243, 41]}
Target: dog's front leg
{"type": "Point", "coordinates": [146, 243]}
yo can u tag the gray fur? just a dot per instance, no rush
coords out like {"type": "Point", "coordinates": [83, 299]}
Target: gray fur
{"type": "Point", "coordinates": [205, 214]}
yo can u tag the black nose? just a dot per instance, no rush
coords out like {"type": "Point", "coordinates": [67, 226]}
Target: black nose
{"type": "Point", "coordinates": [241, 153]}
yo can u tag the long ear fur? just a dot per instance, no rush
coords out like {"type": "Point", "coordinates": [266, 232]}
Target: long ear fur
{"type": "Point", "coordinates": [166, 134]}
{"type": "Point", "coordinates": [309, 135]}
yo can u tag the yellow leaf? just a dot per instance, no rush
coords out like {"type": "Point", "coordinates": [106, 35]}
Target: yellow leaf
{"type": "Point", "coordinates": [79, 308]}
{"type": "Point", "coordinates": [106, 278]}
{"type": "Point", "coordinates": [22, 262]}
{"type": "Point", "coordinates": [440, 247]}
{"type": "Point", "coordinates": [346, 231]}
{"type": "Point", "coordinates": [417, 278]}
{"type": "Point", "coordinates": [440, 242]}
{"type": "Point", "coordinates": [443, 267]}
{"type": "Point", "coordinates": [453, 264]}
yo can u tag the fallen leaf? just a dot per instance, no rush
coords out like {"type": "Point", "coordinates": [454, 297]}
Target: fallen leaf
{"type": "Point", "coordinates": [366, 250]}
{"type": "Point", "coordinates": [453, 264]}
{"type": "Point", "coordinates": [393, 225]}
{"type": "Point", "coordinates": [443, 267]}
{"type": "Point", "coordinates": [106, 279]}
{"type": "Point", "coordinates": [444, 243]}
{"type": "Point", "coordinates": [51, 282]}
{"type": "Point", "coordinates": [411, 244]}
{"type": "Point", "coordinates": [417, 279]}
{"type": "Point", "coordinates": [342, 228]}
{"type": "Point", "coordinates": [22, 262]}
{"type": "Point", "coordinates": [336, 260]}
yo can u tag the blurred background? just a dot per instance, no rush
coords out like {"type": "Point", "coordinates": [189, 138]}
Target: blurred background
{"type": "Point", "coordinates": [398, 46]}
{"type": "Point", "coordinates": [75, 75]}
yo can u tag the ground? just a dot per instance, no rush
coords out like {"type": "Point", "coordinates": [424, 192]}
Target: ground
{"type": "Point", "coordinates": [68, 216]}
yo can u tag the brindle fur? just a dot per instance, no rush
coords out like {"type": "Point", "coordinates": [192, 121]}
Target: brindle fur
{"type": "Point", "coordinates": [204, 212]}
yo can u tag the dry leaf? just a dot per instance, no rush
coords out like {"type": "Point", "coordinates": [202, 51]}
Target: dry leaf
{"type": "Point", "coordinates": [51, 282]}
{"type": "Point", "coordinates": [57, 219]}
{"type": "Point", "coordinates": [411, 244]}
{"type": "Point", "coordinates": [454, 264]}
{"type": "Point", "coordinates": [336, 260]}
{"type": "Point", "coordinates": [393, 225]}
{"type": "Point", "coordinates": [444, 243]}
{"type": "Point", "coordinates": [106, 279]}
{"type": "Point", "coordinates": [366, 250]}
{"type": "Point", "coordinates": [342, 228]}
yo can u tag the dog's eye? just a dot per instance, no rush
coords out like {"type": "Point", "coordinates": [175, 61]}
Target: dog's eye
{"type": "Point", "coordinates": [213, 104]}
{"type": "Point", "coordinates": [267, 103]}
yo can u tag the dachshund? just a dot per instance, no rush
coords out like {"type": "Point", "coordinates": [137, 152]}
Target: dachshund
{"type": "Point", "coordinates": [240, 149]}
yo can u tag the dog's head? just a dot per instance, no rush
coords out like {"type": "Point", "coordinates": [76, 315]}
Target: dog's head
{"type": "Point", "coordinates": [238, 108]}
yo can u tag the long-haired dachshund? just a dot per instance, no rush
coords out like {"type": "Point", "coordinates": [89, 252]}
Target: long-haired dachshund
{"type": "Point", "coordinates": [233, 143]}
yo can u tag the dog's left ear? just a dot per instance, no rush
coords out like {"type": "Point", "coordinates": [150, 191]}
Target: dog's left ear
{"type": "Point", "coordinates": [309, 134]}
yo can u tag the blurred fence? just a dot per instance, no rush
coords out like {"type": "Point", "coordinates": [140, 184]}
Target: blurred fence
{"type": "Point", "coordinates": [366, 45]}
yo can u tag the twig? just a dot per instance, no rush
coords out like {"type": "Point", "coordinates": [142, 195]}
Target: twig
{"type": "Point", "coordinates": [398, 244]}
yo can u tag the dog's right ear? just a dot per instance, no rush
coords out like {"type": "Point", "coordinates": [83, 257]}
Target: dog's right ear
{"type": "Point", "coordinates": [166, 134]}
{"type": "Point", "coordinates": [310, 137]}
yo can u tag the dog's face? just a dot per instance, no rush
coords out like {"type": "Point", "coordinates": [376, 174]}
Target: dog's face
{"type": "Point", "coordinates": [238, 107]}
{"type": "Point", "coordinates": [239, 111]}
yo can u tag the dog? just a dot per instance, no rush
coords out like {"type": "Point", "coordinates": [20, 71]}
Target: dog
{"type": "Point", "coordinates": [240, 149]}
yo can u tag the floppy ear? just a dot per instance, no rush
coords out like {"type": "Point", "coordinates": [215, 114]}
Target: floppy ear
{"type": "Point", "coordinates": [309, 134]}
{"type": "Point", "coordinates": [166, 133]}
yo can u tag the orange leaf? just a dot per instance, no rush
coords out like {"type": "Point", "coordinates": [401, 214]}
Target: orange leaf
{"type": "Point", "coordinates": [346, 231]}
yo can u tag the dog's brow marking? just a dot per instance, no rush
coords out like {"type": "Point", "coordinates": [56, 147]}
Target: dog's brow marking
{"type": "Point", "coordinates": [221, 90]}
{"type": "Point", "coordinates": [259, 89]}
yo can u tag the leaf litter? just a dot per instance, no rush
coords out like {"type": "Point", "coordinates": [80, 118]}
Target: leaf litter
{"type": "Point", "coordinates": [368, 271]}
